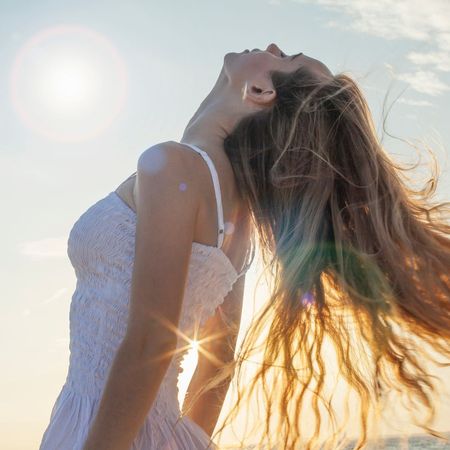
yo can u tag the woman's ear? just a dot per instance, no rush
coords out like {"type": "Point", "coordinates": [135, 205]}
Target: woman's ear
{"type": "Point", "coordinates": [259, 92]}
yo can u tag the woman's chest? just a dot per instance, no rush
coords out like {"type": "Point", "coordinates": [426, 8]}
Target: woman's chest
{"type": "Point", "coordinates": [127, 191]}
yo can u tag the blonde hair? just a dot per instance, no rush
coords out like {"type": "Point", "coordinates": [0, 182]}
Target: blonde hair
{"type": "Point", "coordinates": [355, 256]}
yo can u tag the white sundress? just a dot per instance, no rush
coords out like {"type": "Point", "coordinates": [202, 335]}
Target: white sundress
{"type": "Point", "coordinates": [101, 249]}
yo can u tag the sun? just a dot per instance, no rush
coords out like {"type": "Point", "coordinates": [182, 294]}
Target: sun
{"type": "Point", "coordinates": [188, 364]}
{"type": "Point", "coordinates": [68, 83]}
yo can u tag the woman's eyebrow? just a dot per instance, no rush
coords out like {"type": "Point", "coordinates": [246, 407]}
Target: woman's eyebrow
{"type": "Point", "coordinates": [294, 56]}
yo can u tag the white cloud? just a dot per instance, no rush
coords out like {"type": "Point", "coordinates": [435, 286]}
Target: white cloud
{"type": "Point", "coordinates": [412, 102]}
{"type": "Point", "coordinates": [426, 22]}
{"type": "Point", "coordinates": [439, 59]}
{"type": "Point", "coordinates": [406, 19]}
{"type": "Point", "coordinates": [44, 248]}
{"type": "Point", "coordinates": [55, 296]}
{"type": "Point", "coordinates": [425, 82]}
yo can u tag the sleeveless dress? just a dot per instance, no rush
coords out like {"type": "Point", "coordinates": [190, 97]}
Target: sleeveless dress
{"type": "Point", "coordinates": [101, 250]}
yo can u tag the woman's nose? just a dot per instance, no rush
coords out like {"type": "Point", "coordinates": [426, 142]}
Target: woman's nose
{"type": "Point", "coordinates": [273, 48]}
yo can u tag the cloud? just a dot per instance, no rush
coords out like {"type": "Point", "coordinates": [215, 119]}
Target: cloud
{"type": "Point", "coordinates": [425, 22]}
{"type": "Point", "coordinates": [403, 19]}
{"type": "Point", "coordinates": [55, 296]}
{"type": "Point", "coordinates": [424, 81]}
{"type": "Point", "coordinates": [412, 102]}
{"type": "Point", "coordinates": [439, 59]}
{"type": "Point", "coordinates": [44, 248]}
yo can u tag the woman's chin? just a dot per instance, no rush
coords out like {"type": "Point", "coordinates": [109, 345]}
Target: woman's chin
{"type": "Point", "coordinates": [238, 53]}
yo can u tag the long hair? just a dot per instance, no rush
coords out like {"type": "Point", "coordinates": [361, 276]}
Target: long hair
{"type": "Point", "coordinates": [357, 259]}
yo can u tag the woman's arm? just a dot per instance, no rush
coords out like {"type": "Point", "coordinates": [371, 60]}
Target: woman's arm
{"type": "Point", "coordinates": [217, 344]}
{"type": "Point", "coordinates": [131, 389]}
{"type": "Point", "coordinates": [166, 217]}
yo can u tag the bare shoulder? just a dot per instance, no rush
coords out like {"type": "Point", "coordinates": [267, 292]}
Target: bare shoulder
{"type": "Point", "coordinates": [185, 170]}
{"type": "Point", "coordinates": [162, 156]}
{"type": "Point", "coordinates": [166, 170]}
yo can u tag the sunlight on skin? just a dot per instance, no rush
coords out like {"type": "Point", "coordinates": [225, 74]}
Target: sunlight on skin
{"type": "Point", "coordinates": [191, 349]}
{"type": "Point", "coordinates": [190, 342]}
{"type": "Point", "coordinates": [153, 160]}
{"type": "Point", "coordinates": [189, 363]}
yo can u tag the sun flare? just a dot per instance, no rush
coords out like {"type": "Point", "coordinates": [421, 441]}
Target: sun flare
{"type": "Point", "coordinates": [188, 364]}
{"type": "Point", "coordinates": [68, 83]}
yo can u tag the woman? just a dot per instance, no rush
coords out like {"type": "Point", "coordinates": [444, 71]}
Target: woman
{"type": "Point", "coordinates": [292, 155]}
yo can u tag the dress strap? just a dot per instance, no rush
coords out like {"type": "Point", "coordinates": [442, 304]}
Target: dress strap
{"type": "Point", "coordinates": [216, 183]}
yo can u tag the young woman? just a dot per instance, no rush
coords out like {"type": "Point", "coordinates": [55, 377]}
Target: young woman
{"type": "Point", "coordinates": [284, 150]}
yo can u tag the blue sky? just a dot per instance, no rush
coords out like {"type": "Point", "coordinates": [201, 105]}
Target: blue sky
{"type": "Point", "coordinates": [87, 86]}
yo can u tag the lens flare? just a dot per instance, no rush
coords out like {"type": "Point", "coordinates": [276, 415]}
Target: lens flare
{"type": "Point", "coordinates": [307, 298]}
{"type": "Point", "coordinates": [68, 83]}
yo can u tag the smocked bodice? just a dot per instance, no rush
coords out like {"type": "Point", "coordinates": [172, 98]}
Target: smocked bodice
{"type": "Point", "coordinates": [101, 250]}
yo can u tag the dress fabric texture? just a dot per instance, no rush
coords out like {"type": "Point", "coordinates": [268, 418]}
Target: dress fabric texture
{"type": "Point", "coordinates": [101, 247]}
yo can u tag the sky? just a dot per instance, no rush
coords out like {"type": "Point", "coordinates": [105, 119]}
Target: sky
{"type": "Point", "coordinates": [87, 86]}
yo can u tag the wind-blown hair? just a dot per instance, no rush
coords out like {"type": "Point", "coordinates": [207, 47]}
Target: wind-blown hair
{"type": "Point", "coordinates": [358, 260]}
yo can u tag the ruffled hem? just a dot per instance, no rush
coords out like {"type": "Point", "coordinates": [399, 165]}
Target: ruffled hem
{"type": "Point", "coordinates": [69, 421]}
{"type": "Point", "coordinates": [184, 435]}
{"type": "Point", "coordinates": [73, 413]}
